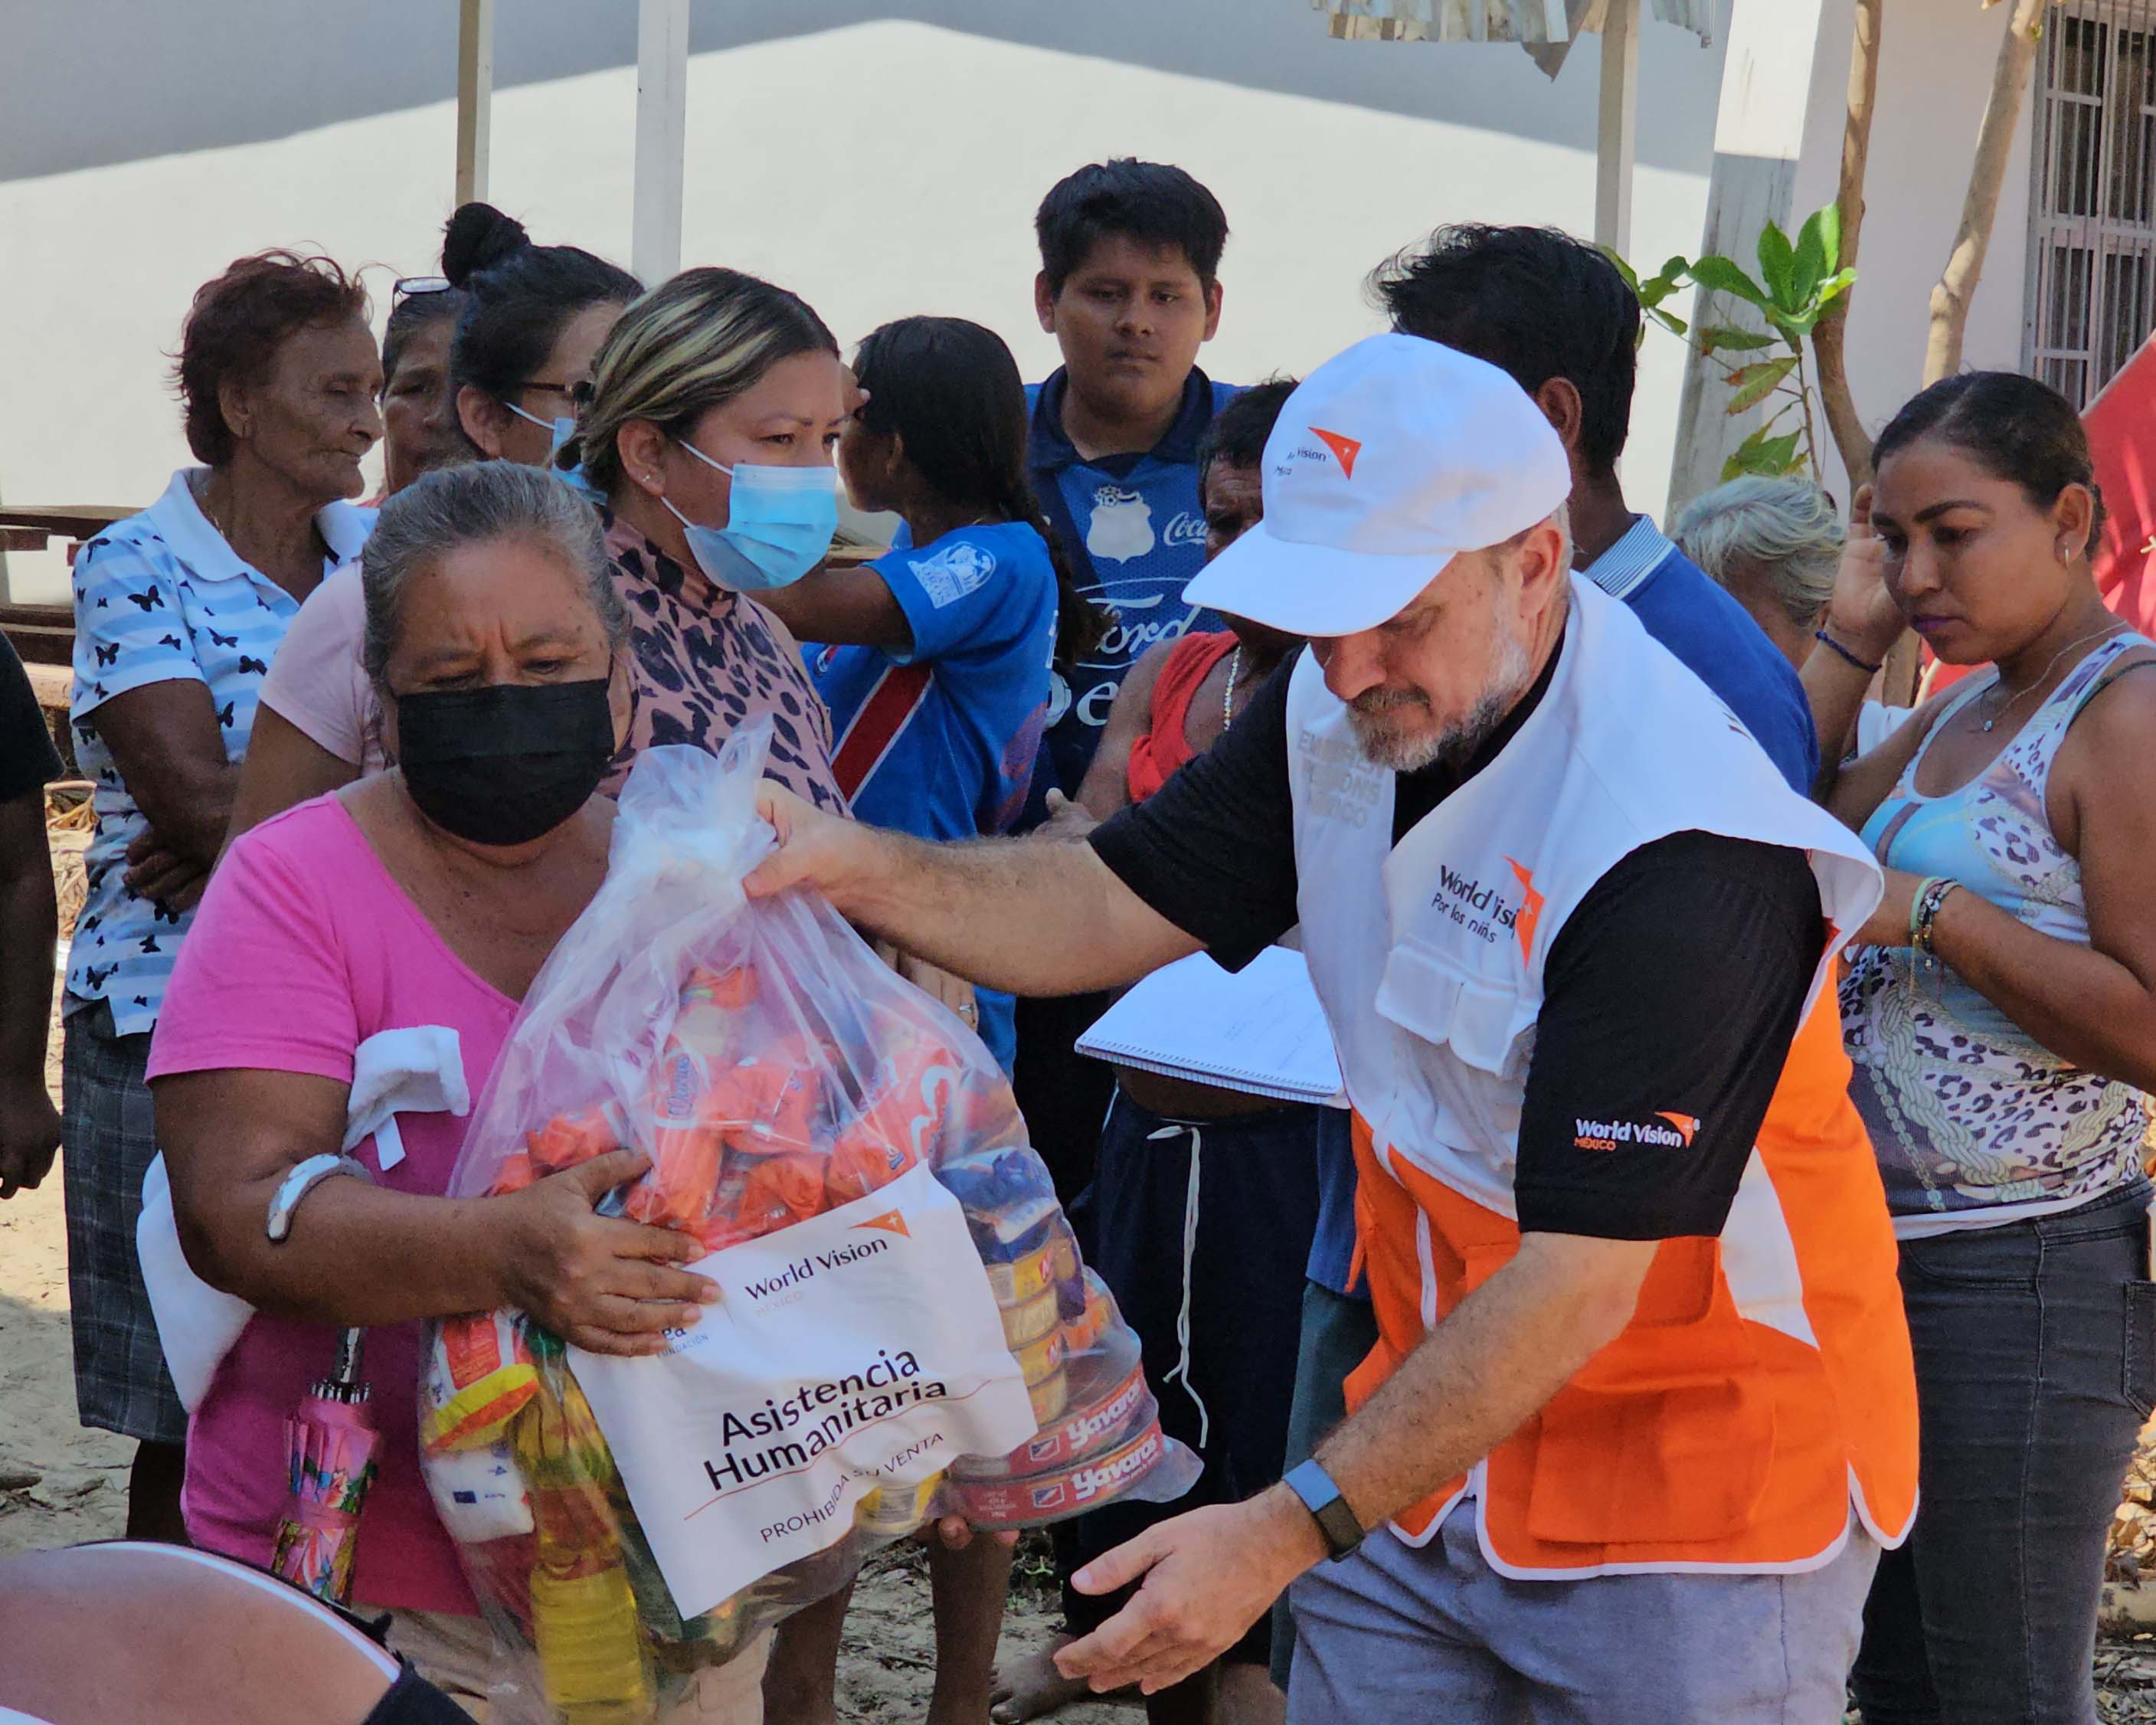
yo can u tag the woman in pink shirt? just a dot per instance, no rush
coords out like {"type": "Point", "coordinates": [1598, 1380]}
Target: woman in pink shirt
{"type": "Point", "coordinates": [429, 895]}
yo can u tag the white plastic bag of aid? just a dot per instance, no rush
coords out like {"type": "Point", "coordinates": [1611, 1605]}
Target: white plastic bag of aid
{"type": "Point", "coordinates": [861, 1349]}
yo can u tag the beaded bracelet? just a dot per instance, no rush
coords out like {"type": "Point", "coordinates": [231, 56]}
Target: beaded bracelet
{"type": "Point", "coordinates": [1936, 893]}
{"type": "Point", "coordinates": [1917, 906]}
{"type": "Point", "coordinates": [1869, 670]}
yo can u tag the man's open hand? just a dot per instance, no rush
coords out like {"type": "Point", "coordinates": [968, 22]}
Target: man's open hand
{"type": "Point", "coordinates": [1208, 1576]}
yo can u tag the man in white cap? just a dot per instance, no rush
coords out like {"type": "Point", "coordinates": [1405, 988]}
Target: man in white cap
{"type": "Point", "coordinates": [1642, 1413]}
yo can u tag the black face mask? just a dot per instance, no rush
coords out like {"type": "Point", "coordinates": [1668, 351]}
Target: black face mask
{"type": "Point", "coordinates": [504, 764]}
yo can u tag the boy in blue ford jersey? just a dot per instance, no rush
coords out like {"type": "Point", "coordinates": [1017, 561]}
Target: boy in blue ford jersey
{"type": "Point", "coordinates": [934, 662]}
{"type": "Point", "coordinates": [1129, 286]}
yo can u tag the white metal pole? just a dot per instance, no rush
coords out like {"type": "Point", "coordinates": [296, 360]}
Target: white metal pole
{"type": "Point", "coordinates": [662, 97]}
{"type": "Point", "coordinates": [475, 96]}
{"type": "Point", "coordinates": [1758, 137]}
{"type": "Point", "coordinates": [1618, 126]}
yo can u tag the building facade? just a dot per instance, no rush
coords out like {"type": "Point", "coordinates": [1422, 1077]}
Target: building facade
{"type": "Point", "coordinates": [886, 159]}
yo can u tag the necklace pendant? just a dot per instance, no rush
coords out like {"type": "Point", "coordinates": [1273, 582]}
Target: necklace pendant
{"type": "Point", "coordinates": [1988, 723]}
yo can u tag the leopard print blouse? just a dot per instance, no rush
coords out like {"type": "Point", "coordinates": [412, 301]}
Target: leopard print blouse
{"type": "Point", "coordinates": [707, 662]}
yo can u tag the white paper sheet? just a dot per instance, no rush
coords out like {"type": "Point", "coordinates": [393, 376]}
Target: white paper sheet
{"type": "Point", "coordinates": [1259, 1029]}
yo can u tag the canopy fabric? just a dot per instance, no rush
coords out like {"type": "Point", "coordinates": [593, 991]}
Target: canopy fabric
{"type": "Point", "coordinates": [1447, 20]}
{"type": "Point", "coordinates": [2121, 423]}
{"type": "Point", "coordinates": [1546, 29]}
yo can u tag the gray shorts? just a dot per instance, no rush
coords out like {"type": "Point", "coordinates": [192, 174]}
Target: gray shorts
{"type": "Point", "coordinates": [110, 1137]}
{"type": "Point", "coordinates": [1394, 1634]}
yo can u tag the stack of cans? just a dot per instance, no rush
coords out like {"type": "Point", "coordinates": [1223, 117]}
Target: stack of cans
{"type": "Point", "coordinates": [1100, 1426]}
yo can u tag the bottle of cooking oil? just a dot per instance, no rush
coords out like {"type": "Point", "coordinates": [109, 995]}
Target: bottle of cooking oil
{"type": "Point", "coordinates": [584, 1619]}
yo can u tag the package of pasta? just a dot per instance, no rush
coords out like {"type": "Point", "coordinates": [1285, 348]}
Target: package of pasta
{"type": "Point", "coordinates": [904, 1331]}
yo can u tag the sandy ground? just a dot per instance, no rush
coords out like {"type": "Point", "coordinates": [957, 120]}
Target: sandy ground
{"type": "Point", "coordinates": [59, 1482]}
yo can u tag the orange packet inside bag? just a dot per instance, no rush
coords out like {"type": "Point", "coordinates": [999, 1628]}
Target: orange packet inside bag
{"type": "Point", "coordinates": [568, 1139]}
{"type": "Point", "coordinates": [477, 1377]}
{"type": "Point", "coordinates": [780, 1191]}
{"type": "Point", "coordinates": [687, 1101]}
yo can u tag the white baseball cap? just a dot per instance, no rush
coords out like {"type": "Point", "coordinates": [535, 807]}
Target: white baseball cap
{"type": "Point", "coordinates": [1387, 462]}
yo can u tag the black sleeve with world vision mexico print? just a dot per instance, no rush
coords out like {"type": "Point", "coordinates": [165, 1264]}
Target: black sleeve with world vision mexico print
{"type": "Point", "coordinates": [1671, 999]}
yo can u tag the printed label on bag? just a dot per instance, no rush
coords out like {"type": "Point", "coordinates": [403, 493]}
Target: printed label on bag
{"type": "Point", "coordinates": [859, 1351]}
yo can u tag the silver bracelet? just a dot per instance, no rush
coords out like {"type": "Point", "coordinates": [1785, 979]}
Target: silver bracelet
{"type": "Point", "coordinates": [303, 1179]}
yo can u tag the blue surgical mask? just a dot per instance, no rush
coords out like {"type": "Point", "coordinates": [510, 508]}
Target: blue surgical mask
{"type": "Point", "coordinates": [561, 430]}
{"type": "Point", "coordinates": [582, 483]}
{"type": "Point", "coordinates": [779, 524]}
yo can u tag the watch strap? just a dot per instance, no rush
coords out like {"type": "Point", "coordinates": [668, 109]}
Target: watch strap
{"type": "Point", "coordinates": [1335, 1520]}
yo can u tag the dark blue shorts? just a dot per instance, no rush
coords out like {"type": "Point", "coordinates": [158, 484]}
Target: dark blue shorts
{"type": "Point", "coordinates": [1202, 1229]}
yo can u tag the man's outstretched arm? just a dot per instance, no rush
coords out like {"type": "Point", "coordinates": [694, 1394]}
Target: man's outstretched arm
{"type": "Point", "coordinates": [1035, 915]}
{"type": "Point", "coordinates": [1510, 1347]}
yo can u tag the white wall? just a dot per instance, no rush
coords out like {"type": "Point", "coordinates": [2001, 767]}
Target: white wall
{"type": "Point", "coordinates": [1935, 64]}
{"type": "Point", "coordinates": [880, 167]}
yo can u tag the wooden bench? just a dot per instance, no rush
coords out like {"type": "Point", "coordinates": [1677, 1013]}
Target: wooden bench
{"type": "Point", "coordinates": [43, 636]}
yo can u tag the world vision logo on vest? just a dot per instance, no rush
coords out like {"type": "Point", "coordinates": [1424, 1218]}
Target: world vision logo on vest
{"type": "Point", "coordinates": [1666, 1131]}
{"type": "Point", "coordinates": [1488, 910]}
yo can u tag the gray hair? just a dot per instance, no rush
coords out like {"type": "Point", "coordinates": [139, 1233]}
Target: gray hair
{"type": "Point", "coordinates": [1786, 528]}
{"type": "Point", "coordinates": [472, 505]}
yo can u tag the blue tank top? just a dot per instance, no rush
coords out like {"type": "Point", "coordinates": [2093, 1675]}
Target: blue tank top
{"type": "Point", "coordinates": [1975, 1123]}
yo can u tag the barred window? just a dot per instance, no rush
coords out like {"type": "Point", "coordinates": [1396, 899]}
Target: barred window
{"type": "Point", "coordinates": [2091, 299]}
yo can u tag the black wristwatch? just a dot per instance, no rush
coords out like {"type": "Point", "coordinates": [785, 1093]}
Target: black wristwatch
{"type": "Point", "coordinates": [1335, 1520]}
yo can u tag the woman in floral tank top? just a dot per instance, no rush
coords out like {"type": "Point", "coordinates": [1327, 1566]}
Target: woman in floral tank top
{"type": "Point", "coordinates": [2000, 1011]}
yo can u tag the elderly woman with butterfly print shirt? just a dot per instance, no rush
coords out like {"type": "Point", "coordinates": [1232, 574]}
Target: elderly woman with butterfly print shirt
{"type": "Point", "coordinates": [179, 611]}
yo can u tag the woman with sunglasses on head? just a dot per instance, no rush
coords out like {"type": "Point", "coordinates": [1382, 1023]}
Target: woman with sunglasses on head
{"type": "Point", "coordinates": [418, 434]}
{"type": "Point", "coordinates": [528, 320]}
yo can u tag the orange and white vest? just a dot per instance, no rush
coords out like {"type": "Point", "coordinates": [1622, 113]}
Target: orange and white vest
{"type": "Point", "coordinates": [1764, 1381]}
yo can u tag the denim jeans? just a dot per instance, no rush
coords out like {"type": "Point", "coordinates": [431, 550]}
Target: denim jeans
{"type": "Point", "coordinates": [2035, 1349]}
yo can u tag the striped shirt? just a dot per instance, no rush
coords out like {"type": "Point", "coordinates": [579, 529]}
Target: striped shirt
{"type": "Point", "coordinates": [160, 597]}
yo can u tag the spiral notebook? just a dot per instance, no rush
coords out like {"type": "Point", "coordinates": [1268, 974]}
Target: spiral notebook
{"type": "Point", "coordinates": [1259, 1029]}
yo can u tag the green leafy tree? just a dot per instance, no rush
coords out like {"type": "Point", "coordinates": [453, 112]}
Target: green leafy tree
{"type": "Point", "coordinates": [1796, 283]}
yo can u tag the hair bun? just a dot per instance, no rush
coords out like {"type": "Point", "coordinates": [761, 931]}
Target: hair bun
{"type": "Point", "coordinates": [478, 237]}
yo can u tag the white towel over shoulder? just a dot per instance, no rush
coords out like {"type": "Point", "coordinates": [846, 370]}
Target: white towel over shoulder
{"type": "Point", "coordinates": [420, 1070]}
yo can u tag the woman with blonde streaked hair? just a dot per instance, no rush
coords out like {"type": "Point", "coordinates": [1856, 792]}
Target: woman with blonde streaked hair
{"type": "Point", "coordinates": [707, 443]}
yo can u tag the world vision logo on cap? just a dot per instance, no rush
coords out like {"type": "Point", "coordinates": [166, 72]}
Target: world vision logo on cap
{"type": "Point", "coordinates": [890, 1222]}
{"type": "Point", "coordinates": [1346, 449]}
